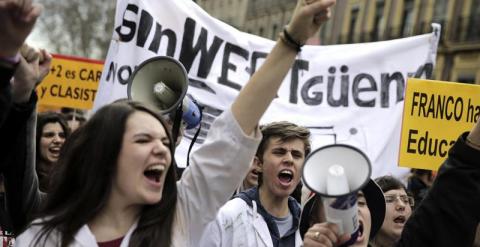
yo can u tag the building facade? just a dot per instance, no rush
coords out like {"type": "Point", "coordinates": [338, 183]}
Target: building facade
{"type": "Point", "coordinates": [356, 21]}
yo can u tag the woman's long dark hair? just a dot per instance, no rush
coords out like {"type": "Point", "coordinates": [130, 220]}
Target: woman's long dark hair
{"type": "Point", "coordinates": [83, 182]}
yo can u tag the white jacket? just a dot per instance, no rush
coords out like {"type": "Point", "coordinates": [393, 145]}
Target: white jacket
{"type": "Point", "coordinates": [237, 225]}
{"type": "Point", "coordinates": [217, 167]}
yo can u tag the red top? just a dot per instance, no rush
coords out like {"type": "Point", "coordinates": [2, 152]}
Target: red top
{"type": "Point", "coordinates": [111, 243]}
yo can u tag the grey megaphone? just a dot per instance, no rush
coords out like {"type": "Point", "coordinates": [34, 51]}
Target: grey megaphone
{"type": "Point", "coordinates": [162, 82]}
{"type": "Point", "coordinates": [336, 173]}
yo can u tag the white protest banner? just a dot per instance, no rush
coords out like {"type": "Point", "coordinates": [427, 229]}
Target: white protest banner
{"type": "Point", "coordinates": [351, 94]}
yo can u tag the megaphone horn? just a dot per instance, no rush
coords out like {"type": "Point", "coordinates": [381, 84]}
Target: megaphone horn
{"type": "Point", "coordinates": [337, 172]}
{"type": "Point", "coordinates": [162, 82]}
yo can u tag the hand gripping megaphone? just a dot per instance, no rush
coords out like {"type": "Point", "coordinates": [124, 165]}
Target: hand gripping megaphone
{"type": "Point", "coordinates": [336, 173]}
{"type": "Point", "coordinates": [161, 82]}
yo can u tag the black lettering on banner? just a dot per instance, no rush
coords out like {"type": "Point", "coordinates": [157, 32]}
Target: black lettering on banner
{"type": "Point", "coordinates": [124, 74]}
{"type": "Point", "coordinates": [414, 102]}
{"type": "Point", "coordinates": [226, 65]}
{"type": "Point", "coordinates": [472, 112]}
{"type": "Point", "coordinates": [130, 25]}
{"type": "Point", "coordinates": [458, 105]}
{"type": "Point", "coordinates": [90, 75]}
{"type": "Point", "coordinates": [144, 28]}
{"type": "Point", "coordinates": [54, 90]}
{"type": "Point", "coordinates": [189, 51]}
{"type": "Point", "coordinates": [157, 37]}
{"type": "Point", "coordinates": [426, 69]}
{"type": "Point", "coordinates": [437, 106]}
{"type": "Point", "coordinates": [59, 70]}
{"type": "Point", "coordinates": [70, 74]}
{"type": "Point", "coordinates": [423, 102]}
{"type": "Point", "coordinates": [205, 49]}
{"type": "Point", "coordinates": [356, 90]}
{"type": "Point", "coordinates": [75, 93]}
{"type": "Point", "coordinates": [441, 150]}
{"type": "Point", "coordinates": [297, 66]}
{"type": "Point", "coordinates": [411, 140]}
{"type": "Point", "coordinates": [112, 71]}
{"type": "Point", "coordinates": [425, 144]}
{"type": "Point", "coordinates": [386, 80]}
{"type": "Point", "coordinates": [43, 89]}
{"type": "Point", "coordinates": [440, 106]}
{"type": "Point", "coordinates": [344, 85]}
{"type": "Point", "coordinates": [449, 101]}
{"type": "Point", "coordinates": [317, 97]}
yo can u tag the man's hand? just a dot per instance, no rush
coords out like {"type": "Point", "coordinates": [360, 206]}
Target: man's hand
{"type": "Point", "coordinates": [307, 18]}
{"type": "Point", "coordinates": [324, 235]}
{"type": "Point", "coordinates": [17, 18]}
{"type": "Point", "coordinates": [34, 66]}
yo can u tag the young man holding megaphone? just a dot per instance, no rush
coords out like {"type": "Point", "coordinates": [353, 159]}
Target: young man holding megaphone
{"type": "Point", "coordinates": [267, 216]}
{"type": "Point", "coordinates": [448, 216]}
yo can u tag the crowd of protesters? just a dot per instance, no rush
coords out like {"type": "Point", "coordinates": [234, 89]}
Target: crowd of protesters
{"type": "Point", "coordinates": [71, 181]}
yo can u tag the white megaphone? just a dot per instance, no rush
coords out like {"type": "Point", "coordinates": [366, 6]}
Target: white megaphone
{"type": "Point", "coordinates": [161, 82]}
{"type": "Point", "coordinates": [336, 173]}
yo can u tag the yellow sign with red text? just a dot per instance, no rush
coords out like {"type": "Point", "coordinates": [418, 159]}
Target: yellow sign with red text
{"type": "Point", "coordinates": [435, 113]}
{"type": "Point", "coordinates": [71, 82]}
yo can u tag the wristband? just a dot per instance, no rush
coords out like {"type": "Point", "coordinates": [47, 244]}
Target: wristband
{"type": "Point", "coordinates": [291, 40]}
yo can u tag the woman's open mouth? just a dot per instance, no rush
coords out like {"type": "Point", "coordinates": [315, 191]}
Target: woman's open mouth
{"type": "Point", "coordinates": [154, 173]}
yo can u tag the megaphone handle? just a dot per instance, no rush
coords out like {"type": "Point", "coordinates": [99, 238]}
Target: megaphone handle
{"type": "Point", "coordinates": [194, 139]}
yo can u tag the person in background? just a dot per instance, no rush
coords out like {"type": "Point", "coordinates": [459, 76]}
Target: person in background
{"type": "Point", "coordinates": [52, 130]}
{"type": "Point", "coordinates": [75, 118]}
{"type": "Point", "coordinates": [399, 210]}
{"type": "Point", "coordinates": [419, 182]}
{"type": "Point", "coordinates": [116, 183]}
{"type": "Point", "coordinates": [251, 180]}
{"type": "Point", "coordinates": [317, 232]}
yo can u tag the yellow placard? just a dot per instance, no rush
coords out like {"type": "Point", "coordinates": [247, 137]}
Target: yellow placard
{"type": "Point", "coordinates": [434, 115]}
{"type": "Point", "coordinates": [71, 82]}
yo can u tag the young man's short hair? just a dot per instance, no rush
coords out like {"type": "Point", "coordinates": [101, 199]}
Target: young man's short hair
{"type": "Point", "coordinates": [286, 131]}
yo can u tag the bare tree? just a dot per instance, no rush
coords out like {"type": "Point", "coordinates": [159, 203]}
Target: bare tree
{"type": "Point", "coordinates": [78, 27]}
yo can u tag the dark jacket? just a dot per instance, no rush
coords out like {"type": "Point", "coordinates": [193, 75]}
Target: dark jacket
{"type": "Point", "coordinates": [17, 156]}
{"type": "Point", "coordinates": [449, 214]}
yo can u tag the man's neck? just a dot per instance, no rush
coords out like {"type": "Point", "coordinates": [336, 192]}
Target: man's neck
{"type": "Point", "coordinates": [275, 206]}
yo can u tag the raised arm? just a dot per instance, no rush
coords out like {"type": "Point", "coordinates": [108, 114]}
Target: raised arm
{"type": "Point", "coordinates": [258, 93]}
{"type": "Point", "coordinates": [18, 146]}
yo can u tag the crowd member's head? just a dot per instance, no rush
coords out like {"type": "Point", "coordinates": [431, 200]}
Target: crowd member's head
{"type": "Point", "coordinates": [52, 130]}
{"type": "Point", "coordinates": [419, 183]}
{"type": "Point", "coordinates": [75, 118]}
{"type": "Point", "coordinates": [399, 208]}
{"type": "Point", "coordinates": [121, 157]}
{"type": "Point", "coordinates": [251, 180]}
{"type": "Point", "coordinates": [280, 156]}
{"type": "Point", "coordinates": [371, 212]}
